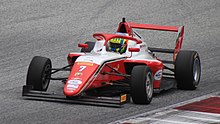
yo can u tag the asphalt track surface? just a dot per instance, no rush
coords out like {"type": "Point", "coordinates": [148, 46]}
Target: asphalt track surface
{"type": "Point", "coordinates": [52, 28]}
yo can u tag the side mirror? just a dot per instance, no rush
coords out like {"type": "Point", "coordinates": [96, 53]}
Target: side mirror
{"type": "Point", "coordinates": [83, 45]}
{"type": "Point", "coordinates": [133, 49]}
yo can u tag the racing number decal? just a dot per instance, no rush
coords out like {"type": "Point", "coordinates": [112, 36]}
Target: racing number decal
{"type": "Point", "coordinates": [81, 68]}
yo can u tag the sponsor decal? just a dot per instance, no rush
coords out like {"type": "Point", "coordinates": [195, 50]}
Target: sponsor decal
{"type": "Point", "coordinates": [116, 68]}
{"type": "Point", "coordinates": [158, 75]}
{"type": "Point", "coordinates": [73, 84]}
{"type": "Point", "coordinates": [73, 87]}
{"type": "Point", "coordinates": [78, 74]}
{"type": "Point", "coordinates": [123, 98]}
{"type": "Point", "coordinates": [77, 79]}
{"type": "Point", "coordinates": [85, 63]}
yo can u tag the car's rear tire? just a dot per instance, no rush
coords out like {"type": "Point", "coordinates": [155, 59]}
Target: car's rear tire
{"type": "Point", "coordinates": [141, 84]}
{"type": "Point", "coordinates": [39, 73]}
{"type": "Point", "coordinates": [90, 47]}
{"type": "Point", "coordinates": [187, 70]}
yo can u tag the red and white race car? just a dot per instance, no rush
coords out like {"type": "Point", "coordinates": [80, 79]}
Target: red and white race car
{"type": "Point", "coordinates": [114, 65]}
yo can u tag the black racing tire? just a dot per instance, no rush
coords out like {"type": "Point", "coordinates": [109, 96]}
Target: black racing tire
{"type": "Point", "coordinates": [187, 70]}
{"type": "Point", "coordinates": [90, 47]}
{"type": "Point", "coordinates": [141, 84]}
{"type": "Point", "coordinates": [39, 73]}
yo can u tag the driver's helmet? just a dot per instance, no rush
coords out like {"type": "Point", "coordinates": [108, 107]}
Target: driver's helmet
{"type": "Point", "coordinates": [118, 45]}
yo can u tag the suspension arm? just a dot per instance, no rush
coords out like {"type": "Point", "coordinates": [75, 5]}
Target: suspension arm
{"type": "Point", "coordinates": [65, 68]}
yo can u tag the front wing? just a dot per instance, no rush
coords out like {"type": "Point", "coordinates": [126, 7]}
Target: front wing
{"type": "Point", "coordinates": [29, 93]}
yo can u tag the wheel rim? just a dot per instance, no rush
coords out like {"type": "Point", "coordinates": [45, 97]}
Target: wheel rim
{"type": "Point", "coordinates": [149, 86]}
{"type": "Point", "coordinates": [46, 76]}
{"type": "Point", "coordinates": [196, 71]}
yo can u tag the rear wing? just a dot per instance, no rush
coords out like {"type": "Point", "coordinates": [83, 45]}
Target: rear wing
{"type": "Point", "coordinates": [126, 27]}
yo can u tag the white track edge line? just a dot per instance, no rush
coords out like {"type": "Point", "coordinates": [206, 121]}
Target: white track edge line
{"type": "Point", "coordinates": [167, 107]}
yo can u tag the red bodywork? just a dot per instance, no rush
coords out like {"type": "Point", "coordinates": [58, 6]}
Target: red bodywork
{"type": "Point", "coordinates": [87, 75]}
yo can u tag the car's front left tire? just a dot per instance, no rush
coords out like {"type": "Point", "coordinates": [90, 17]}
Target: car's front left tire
{"type": "Point", "coordinates": [141, 84]}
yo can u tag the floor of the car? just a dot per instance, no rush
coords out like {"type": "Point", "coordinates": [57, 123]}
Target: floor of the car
{"type": "Point", "coordinates": [166, 84]}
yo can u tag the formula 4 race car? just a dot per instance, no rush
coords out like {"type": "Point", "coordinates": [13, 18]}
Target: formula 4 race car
{"type": "Point", "coordinates": [116, 67]}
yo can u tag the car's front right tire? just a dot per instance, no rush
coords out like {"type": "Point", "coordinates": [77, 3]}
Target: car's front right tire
{"type": "Point", "coordinates": [39, 73]}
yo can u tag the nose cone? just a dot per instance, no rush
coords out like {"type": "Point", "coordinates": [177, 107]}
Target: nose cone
{"type": "Point", "coordinates": [80, 78]}
{"type": "Point", "coordinates": [71, 89]}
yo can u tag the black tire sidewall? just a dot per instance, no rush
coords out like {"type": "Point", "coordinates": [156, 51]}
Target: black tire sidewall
{"type": "Point", "coordinates": [36, 73]}
{"type": "Point", "coordinates": [184, 70]}
{"type": "Point", "coordinates": [138, 84]}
